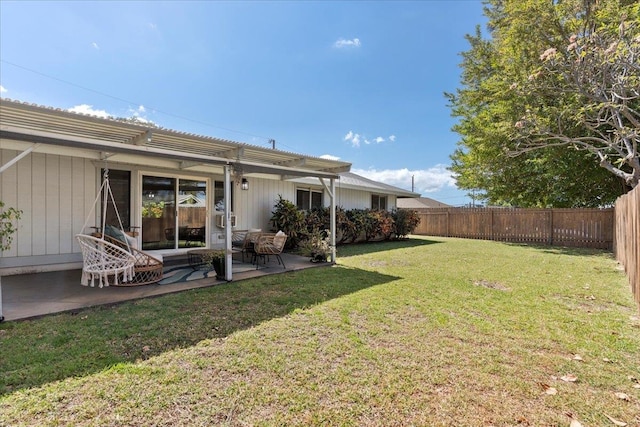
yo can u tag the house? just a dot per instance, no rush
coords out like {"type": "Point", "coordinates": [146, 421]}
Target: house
{"type": "Point", "coordinates": [52, 164]}
{"type": "Point", "coordinates": [420, 203]}
{"type": "Point", "coordinates": [354, 192]}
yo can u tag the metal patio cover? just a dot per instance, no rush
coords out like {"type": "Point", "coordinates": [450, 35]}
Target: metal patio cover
{"type": "Point", "coordinates": [125, 142]}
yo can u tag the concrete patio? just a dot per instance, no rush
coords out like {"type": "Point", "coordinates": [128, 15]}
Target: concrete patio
{"type": "Point", "coordinates": [31, 295]}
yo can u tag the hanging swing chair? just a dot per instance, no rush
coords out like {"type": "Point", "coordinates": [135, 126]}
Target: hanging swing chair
{"type": "Point", "coordinates": [109, 255]}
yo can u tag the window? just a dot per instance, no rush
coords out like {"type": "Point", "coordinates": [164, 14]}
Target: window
{"type": "Point", "coordinates": [378, 202]}
{"type": "Point", "coordinates": [307, 198]}
{"type": "Point", "coordinates": [218, 196]}
{"type": "Point", "coordinates": [120, 183]}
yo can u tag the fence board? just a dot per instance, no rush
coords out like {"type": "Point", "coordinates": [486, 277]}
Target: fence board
{"type": "Point", "coordinates": [627, 237]}
{"type": "Point", "coordinates": [592, 228]}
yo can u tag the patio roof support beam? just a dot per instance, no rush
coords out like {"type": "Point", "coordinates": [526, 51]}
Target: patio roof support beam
{"type": "Point", "coordinates": [142, 139]}
{"type": "Point", "coordinates": [228, 274]}
{"type": "Point", "coordinates": [332, 221]}
{"type": "Point", "coordinates": [231, 153]}
{"type": "Point", "coordinates": [15, 160]}
{"type": "Point", "coordinates": [293, 163]}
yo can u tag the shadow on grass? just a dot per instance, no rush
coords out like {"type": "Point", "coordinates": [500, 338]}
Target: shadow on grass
{"type": "Point", "coordinates": [353, 249]}
{"type": "Point", "coordinates": [563, 250]}
{"type": "Point", "coordinates": [50, 348]}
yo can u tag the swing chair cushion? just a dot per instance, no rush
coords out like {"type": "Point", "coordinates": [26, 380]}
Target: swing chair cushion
{"type": "Point", "coordinates": [120, 236]}
{"type": "Point", "coordinates": [105, 262]}
{"type": "Point", "coordinates": [112, 231]}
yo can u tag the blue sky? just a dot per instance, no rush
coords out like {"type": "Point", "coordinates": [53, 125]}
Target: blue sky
{"type": "Point", "coordinates": [356, 80]}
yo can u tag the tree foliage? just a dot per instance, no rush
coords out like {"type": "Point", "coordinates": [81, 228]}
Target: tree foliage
{"type": "Point", "coordinates": [522, 104]}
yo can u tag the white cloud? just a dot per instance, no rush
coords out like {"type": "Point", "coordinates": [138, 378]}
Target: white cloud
{"type": "Point", "coordinates": [392, 138]}
{"type": "Point", "coordinates": [152, 26]}
{"type": "Point", "coordinates": [329, 157]}
{"type": "Point", "coordinates": [88, 109]}
{"type": "Point", "coordinates": [342, 43]}
{"type": "Point", "coordinates": [3, 90]}
{"type": "Point", "coordinates": [353, 138]}
{"type": "Point", "coordinates": [356, 138]}
{"type": "Point", "coordinates": [429, 180]}
{"type": "Point", "coordinates": [95, 46]}
{"type": "Point", "coordinates": [140, 114]}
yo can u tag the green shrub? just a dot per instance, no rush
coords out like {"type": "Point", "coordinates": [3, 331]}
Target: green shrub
{"type": "Point", "coordinates": [307, 228]}
{"type": "Point", "coordinates": [318, 220]}
{"type": "Point", "coordinates": [7, 227]}
{"type": "Point", "coordinates": [357, 219]}
{"type": "Point", "coordinates": [405, 221]}
{"type": "Point", "coordinates": [287, 217]}
{"type": "Point", "coordinates": [382, 225]}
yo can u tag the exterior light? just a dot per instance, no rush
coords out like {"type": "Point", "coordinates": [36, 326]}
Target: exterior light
{"type": "Point", "coordinates": [245, 184]}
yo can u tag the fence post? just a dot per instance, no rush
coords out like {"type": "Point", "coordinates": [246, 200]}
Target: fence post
{"type": "Point", "coordinates": [551, 228]}
{"type": "Point", "coordinates": [492, 225]}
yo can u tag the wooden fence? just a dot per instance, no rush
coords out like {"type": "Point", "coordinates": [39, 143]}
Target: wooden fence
{"type": "Point", "coordinates": [627, 237]}
{"type": "Point", "coordinates": [592, 228]}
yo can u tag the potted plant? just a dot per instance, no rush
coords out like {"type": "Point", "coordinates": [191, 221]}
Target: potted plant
{"type": "Point", "coordinates": [316, 246]}
{"type": "Point", "coordinates": [216, 258]}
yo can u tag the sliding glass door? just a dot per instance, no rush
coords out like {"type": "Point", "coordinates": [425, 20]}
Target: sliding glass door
{"type": "Point", "coordinates": [192, 213]}
{"type": "Point", "coordinates": [174, 213]}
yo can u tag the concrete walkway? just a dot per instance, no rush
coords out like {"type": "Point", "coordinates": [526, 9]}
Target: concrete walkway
{"type": "Point", "coordinates": [32, 295]}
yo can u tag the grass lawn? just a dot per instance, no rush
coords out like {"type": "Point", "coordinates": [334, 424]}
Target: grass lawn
{"type": "Point", "coordinates": [429, 332]}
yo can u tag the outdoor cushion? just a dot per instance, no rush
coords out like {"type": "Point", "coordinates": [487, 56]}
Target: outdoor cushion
{"type": "Point", "coordinates": [111, 231]}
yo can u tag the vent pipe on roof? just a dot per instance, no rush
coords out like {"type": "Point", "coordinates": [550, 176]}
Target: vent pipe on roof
{"type": "Point", "coordinates": [273, 143]}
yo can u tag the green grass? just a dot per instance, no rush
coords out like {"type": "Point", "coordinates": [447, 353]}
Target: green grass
{"type": "Point", "coordinates": [442, 332]}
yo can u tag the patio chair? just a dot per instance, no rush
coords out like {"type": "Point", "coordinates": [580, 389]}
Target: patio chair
{"type": "Point", "coordinates": [104, 261]}
{"type": "Point", "coordinates": [237, 239]}
{"type": "Point", "coordinates": [270, 244]}
{"type": "Point", "coordinates": [248, 242]}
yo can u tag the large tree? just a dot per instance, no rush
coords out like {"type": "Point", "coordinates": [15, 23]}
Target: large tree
{"type": "Point", "coordinates": [519, 109]}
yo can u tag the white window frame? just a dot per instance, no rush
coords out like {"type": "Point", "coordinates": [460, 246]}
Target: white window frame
{"type": "Point", "coordinates": [310, 192]}
{"type": "Point", "coordinates": [379, 198]}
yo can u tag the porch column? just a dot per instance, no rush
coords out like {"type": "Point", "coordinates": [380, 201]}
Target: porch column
{"type": "Point", "coordinates": [332, 221]}
{"type": "Point", "coordinates": [228, 273]}
{"type": "Point", "coordinates": [331, 189]}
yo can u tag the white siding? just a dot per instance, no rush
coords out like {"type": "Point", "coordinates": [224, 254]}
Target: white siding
{"type": "Point", "coordinates": [358, 199]}
{"type": "Point", "coordinates": [352, 199]}
{"type": "Point", "coordinates": [55, 193]}
{"type": "Point", "coordinates": [253, 207]}
{"type": "Point", "coordinates": [9, 192]}
{"type": "Point", "coordinates": [25, 202]}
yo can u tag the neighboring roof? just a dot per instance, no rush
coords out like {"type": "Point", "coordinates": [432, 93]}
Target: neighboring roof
{"type": "Point", "coordinates": [421, 203]}
{"type": "Point", "coordinates": [128, 142]}
{"type": "Point", "coordinates": [350, 180]}
{"type": "Point", "coordinates": [191, 201]}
